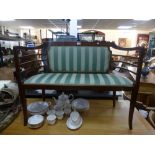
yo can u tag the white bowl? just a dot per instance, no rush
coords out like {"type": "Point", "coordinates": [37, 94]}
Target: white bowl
{"type": "Point", "coordinates": [51, 119]}
{"type": "Point", "coordinates": [39, 108]}
{"type": "Point", "coordinates": [35, 121]}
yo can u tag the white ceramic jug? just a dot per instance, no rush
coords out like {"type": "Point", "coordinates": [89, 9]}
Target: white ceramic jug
{"type": "Point", "coordinates": [64, 99]}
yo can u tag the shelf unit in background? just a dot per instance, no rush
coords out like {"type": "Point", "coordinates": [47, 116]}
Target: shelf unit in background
{"type": "Point", "coordinates": [8, 38]}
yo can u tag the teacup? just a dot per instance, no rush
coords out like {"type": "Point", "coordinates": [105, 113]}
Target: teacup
{"type": "Point", "coordinates": [58, 107]}
{"type": "Point", "coordinates": [49, 112]}
{"type": "Point", "coordinates": [67, 111]}
{"type": "Point", "coordinates": [51, 119]}
{"type": "Point", "coordinates": [59, 114]}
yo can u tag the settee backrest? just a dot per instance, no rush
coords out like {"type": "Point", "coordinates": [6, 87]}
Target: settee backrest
{"type": "Point", "coordinates": [79, 59]}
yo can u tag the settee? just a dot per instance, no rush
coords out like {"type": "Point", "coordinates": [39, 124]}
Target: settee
{"type": "Point", "coordinates": [76, 66]}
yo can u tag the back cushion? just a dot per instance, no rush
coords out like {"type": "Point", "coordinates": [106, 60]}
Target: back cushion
{"type": "Point", "coordinates": [78, 59]}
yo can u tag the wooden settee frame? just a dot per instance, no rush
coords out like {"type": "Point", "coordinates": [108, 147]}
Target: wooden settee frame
{"type": "Point", "coordinates": [23, 87]}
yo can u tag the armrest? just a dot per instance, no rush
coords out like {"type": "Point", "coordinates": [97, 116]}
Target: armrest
{"type": "Point", "coordinates": [150, 108]}
{"type": "Point", "coordinates": [145, 93]}
{"type": "Point", "coordinates": [28, 62]}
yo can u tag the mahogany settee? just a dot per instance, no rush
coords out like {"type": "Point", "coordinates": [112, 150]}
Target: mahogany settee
{"type": "Point", "coordinates": [75, 66]}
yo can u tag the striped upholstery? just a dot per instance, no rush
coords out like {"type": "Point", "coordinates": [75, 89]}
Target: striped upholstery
{"type": "Point", "coordinates": [79, 79]}
{"type": "Point", "coordinates": [78, 59]}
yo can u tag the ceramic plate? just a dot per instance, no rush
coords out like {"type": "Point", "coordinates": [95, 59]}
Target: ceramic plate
{"type": "Point", "coordinates": [35, 121]}
{"type": "Point", "coordinates": [73, 127]}
{"type": "Point", "coordinates": [38, 108]}
{"type": "Point", "coordinates": [80, 104]}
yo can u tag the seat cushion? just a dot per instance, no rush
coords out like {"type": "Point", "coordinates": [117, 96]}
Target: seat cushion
{"type": "Point", "coordinates": [79, 79]}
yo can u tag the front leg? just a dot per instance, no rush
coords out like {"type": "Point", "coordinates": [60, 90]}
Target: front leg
{"type": "Point", "coordinates": [24, 104]}
{"type": "Point", "coordinates": [132, 106]}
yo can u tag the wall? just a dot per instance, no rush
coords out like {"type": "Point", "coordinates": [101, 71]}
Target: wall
{"type": "Point", "coordinates": [114, 35]}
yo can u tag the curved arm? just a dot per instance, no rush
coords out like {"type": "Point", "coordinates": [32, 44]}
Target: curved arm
{"type": "Point", "coordinates": [127, 49]}
{"type": "Point", "coordinates": [29, 48]}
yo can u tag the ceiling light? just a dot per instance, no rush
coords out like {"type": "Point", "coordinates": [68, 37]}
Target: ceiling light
{"type": "Point", "coordinates": [79, 26]}
{"type": "Point", "coordinates": [7, 20]}
{"type": "Point", "coordinates": [26, 27]}
{"type": "Point", "coordinates": [142, 19]}
{"type": "Point", "coordinates": [124, 27]}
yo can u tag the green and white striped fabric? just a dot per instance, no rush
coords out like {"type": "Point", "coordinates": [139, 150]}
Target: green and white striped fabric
{"type": "Point", "coordinates": [79, 79]}
{"type": "Point", "coordinates": [78, 59]}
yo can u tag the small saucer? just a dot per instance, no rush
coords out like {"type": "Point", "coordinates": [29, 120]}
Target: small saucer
{"type": "Point", "coordinates": [71, 126]}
